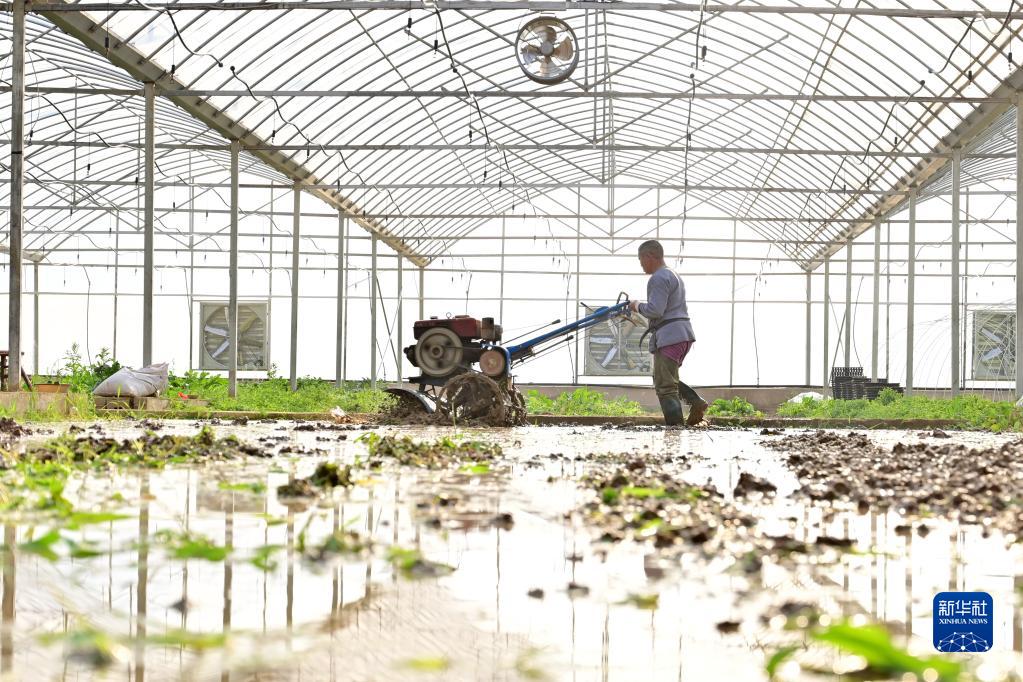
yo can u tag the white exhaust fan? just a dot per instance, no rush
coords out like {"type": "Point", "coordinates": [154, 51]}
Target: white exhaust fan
{"type": "Point", "coordinates": [253, 336]}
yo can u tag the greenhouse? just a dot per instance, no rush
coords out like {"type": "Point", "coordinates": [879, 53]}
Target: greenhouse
{"type": "Point", "coordinates": [511, 340]}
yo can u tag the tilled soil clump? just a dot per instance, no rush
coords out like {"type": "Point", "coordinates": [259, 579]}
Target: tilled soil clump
{"type": "Point", "coordinates": [642, 501]}
{"type": "Point", "coordinates": [12, 429]}
{"type": "Point", "coordinates": [975, 485]}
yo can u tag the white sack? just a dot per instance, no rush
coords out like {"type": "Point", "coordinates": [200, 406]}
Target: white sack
{"type": "Point", "coordinates": [134, 383]}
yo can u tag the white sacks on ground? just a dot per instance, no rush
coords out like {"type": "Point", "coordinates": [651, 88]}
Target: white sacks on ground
{"type": "Point", "coordinates": [812, 395]}
{"type": "Point", "coordinates": [134, 383]}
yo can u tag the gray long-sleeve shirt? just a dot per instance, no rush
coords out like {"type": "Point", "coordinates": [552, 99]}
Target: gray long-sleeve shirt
{"type": "Point", "coordinates": [666, 299]}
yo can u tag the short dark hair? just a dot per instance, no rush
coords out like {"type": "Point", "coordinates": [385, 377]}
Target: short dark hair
{"type": "Point", "coordinates": [653, 247]}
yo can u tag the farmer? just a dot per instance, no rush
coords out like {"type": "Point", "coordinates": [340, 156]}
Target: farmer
{"type": "Point", "coordinates": [671, 335]}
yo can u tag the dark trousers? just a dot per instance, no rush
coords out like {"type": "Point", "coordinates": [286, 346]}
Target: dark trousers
{"type": "Point", "coordinates": [666, 383]}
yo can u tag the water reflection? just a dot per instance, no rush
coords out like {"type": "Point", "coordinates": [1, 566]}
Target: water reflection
{"type": "Point", "coordinates": [361, 618]}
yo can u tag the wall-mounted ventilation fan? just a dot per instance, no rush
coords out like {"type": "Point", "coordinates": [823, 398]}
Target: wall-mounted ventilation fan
{"type": "Point", "coordinates": [545, 48]}
{"type": "Point", "coordinates": [253, 336]}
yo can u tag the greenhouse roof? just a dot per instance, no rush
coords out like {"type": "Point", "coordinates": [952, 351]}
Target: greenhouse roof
{"type": "Point", "coordinates": [808, 123]}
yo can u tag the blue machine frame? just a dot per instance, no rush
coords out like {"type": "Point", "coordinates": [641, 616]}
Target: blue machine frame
{"type": "Point", "coordinates": [526, 349]}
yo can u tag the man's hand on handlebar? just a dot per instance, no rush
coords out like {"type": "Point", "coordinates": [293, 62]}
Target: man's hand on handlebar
{"type": "Point", "coordinates": [634, 306]}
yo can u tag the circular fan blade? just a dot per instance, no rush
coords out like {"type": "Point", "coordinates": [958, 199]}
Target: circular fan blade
{"type": "Point", "coordinates": [530, 53]}
{"type": "Point", "coordinates": [565, 49]}
{"type": "Point", "coordinates": [545, 50]}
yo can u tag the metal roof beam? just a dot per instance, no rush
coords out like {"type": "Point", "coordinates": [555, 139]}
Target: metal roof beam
{"type": "Point", "coordinates": [926, 171]}
{"type": "Point", "coordinates": [529, 94]}
{"type": "Point", "coordinates": [534, 5]}
{"type": "Point", "coordinates": [653, 148]}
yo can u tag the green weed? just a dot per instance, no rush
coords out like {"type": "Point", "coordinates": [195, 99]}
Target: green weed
{"type": "Point", "coordinates": [736, 407]}
{"type": "Point", "coordinates": [970, 411]}
{"type": "Point", "coordinates": [581, 402]}
{"type": "Point", "coordinates": [873, 643]}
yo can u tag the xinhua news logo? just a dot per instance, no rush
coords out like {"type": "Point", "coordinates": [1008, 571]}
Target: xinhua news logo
{"type": "Point", "coordinates": [963, 622]}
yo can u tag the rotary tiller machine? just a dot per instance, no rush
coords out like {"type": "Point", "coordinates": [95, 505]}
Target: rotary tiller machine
{"type": "Point", "coordinates": [466, 370]}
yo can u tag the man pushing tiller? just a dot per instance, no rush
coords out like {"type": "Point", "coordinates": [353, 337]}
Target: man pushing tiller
{"type": "Point", "coordinates": [671, 335]}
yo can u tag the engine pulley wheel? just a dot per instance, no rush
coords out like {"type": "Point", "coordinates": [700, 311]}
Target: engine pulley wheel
{"type": "Point", "coordinates": [493, 363]}
{"type": "Point", "coordinates": [439, 352]}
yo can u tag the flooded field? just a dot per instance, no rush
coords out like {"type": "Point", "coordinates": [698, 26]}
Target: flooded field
{"type": "Point", "coordinates": [572, 553]}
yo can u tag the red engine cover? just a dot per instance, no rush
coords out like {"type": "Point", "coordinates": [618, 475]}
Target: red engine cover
{"type": "Point", "coordinates": [464, 326]}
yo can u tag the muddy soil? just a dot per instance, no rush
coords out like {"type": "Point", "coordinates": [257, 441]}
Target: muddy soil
{"type": "Point", "coordinates": [281, 550]}
{"type": "Point", "coordinates": [976, 485]}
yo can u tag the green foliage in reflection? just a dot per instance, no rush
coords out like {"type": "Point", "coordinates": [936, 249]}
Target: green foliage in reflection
{"type": "Point", "coordinates": [646, 602]}
{"type": "Point", "coordinates": [736, 407]}
{"type": "Point", "coordinates": [427, 665]}
{"type": "Point", "coordinates": [580, 403]}
{"type": "Point", "coordinates": [88, 644]}
{"type": "Point", "coordinates": [413, 564]}
{"type": "Point", "coordinates": [46, 546]}
{"type": "Point", "coordinates": [968, 411]}
{"type": "Point", "coordinates": [256, 488]}
{"type": "Point", "coordinates": [185, 545]}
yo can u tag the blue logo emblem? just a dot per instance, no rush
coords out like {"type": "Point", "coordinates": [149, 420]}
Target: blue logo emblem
{"type": "Point", "coordinates": [963, 621]}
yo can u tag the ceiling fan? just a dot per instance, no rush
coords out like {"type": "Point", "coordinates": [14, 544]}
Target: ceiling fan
{"type": "Point", "coordinates": [545, 49]}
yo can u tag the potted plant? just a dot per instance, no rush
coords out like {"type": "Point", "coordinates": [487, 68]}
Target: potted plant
{"type": "Point", "coordinates": [50, 387]}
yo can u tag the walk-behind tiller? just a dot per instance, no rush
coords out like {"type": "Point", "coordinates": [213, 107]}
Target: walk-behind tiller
{"type": "Point", "coordinates": [466, 371]}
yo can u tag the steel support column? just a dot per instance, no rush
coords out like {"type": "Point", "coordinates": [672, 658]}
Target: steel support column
{"type": "Point", "coordinates": [1019, 246]}
{"type": "Point", "coordinates": [149, 175]}
{"type": "Point", "coordinates": [344, 332]}
{"type": "Point", "coordinates": [965, 275]}
{"type": "Point", "coordinates": [117, 274]}
{"type": "Point", "coordinates": [422, 283]}
{"type": "Point", "coordinates": [809, 324]}
{"type": "Point", "coordinates": [296, 220]}
{"type": "Point", "coordinates": [887, 299]}
{"type": "Point", "coordinates": [373, 315]}
{"type": "Point", "coordinates": [398, 354]}
{"type": "Point", "coordinates": [825, 350]}
{"type": "Point", "coordinates": [731, 325]}
{"type": "Point", "coordinates": [578, 246]}
{"type": "Point", "coordinates": [339, 373]}
{"type": "Point", "coordinates": [876, 305]}
{"type": "Point", "coordinates": [232, 295]}
{"type": "Point", "coordinates": [956, 179]}
{"type": "Point", "coordinates": [17, 196]}
{"type": "Point", "coordinates": [191, 267]}
{"type": "Point", "coordinates": [848, 302]}
{"type": "Point", "coordinates": [500, 302]}
{"type": "Point", "coordinates": [35, 318]}
{"type": "Point", "coordinates": [910, 291]}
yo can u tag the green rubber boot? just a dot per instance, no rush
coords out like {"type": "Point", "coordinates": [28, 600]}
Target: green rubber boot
{"type": "Point", "coordinates": [672, 409]}
{"type": "Point", "coordinates": [697, 405]}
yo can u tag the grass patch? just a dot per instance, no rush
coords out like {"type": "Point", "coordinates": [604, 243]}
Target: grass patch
{"type": "Point", "coordinates": [970, 411]}
{"type": "Point", "coordinates": [736, 407]}
{"type": "Point", "coordinates": [581, 402]}
{"type": "Point", "coordinates": [273, 394]}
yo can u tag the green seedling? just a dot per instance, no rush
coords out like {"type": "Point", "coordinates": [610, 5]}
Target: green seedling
{"type": "Point", "coordinates": [581, 402]}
